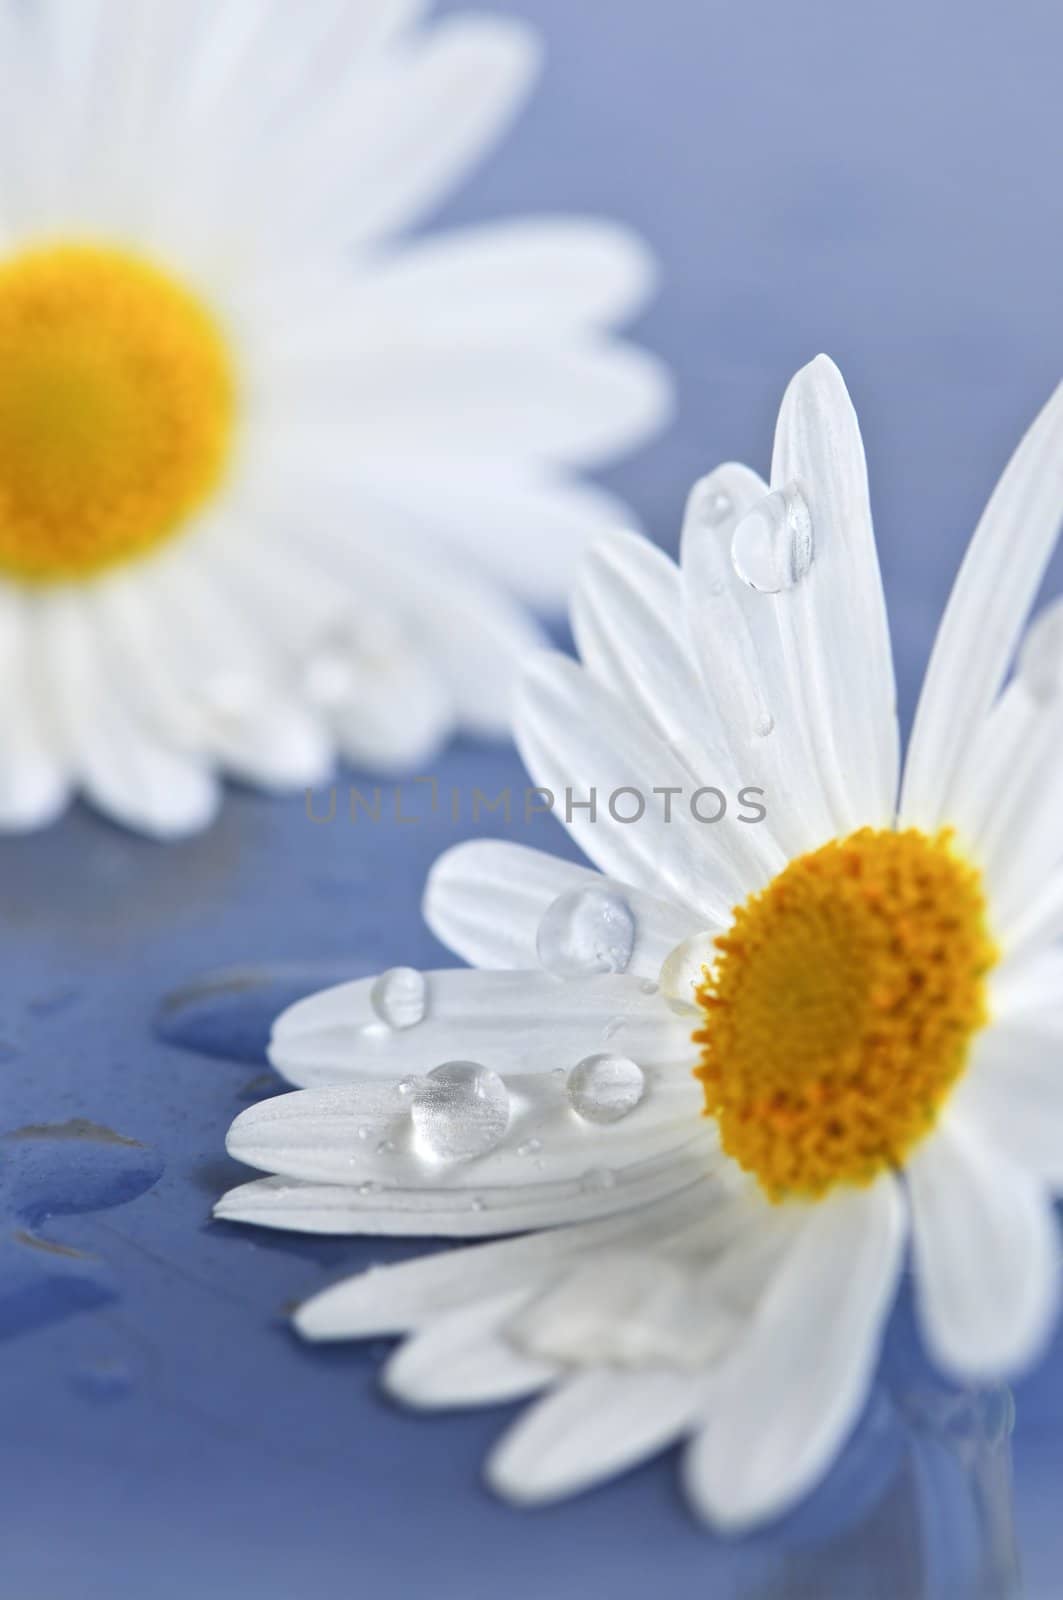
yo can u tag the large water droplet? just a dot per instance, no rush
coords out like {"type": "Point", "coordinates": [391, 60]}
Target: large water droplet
{"type": "Point", "coordinates": [586, 931]}
{"type": "Point", "coordinates": [460, 1110]}
{"type": "Point", "coordinates": [399, 997]}
{"type": "Point", "coordinates": [772, 548]}
{"type": "Point", "coordinates": [605, 1088]}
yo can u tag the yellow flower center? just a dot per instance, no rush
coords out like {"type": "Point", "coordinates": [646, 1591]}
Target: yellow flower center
{"type": "Point", "coordinates": [116, 409]}
{"type": "Point", "coordinates": [841, 1007]}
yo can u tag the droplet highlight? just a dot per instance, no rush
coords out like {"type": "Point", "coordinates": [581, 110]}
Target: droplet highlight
{"type": "Point", "coordinates": [772, 549]}
{"type": "Point", "coordinates": [460, 1110]}
{"type": "Point", "coordinates": [604, 1088]}
{"type": "Point", "coordinates": [400, 997]}
{"type": "Point", "coordinates": [586, 931]}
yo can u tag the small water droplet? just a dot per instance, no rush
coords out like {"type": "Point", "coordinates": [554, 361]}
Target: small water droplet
{"type": "Point", "coordinates": [598, 1178]}
{"type": "Point", "coordinates": [365, 1131]}
{"type": "Point", "coordinates": [399, 997]}
{"type": "Point", "coordinates": [764, 725]}
{"type": "Point", "coordinates": [604, 1088]}
{"type": "Point", "coordinates": [586, 931]}
{"type": "Point", "coordinates": [647, 986]}
{"type": "Point", "coordinates": [460, 1110]}
{"type": "Point", "coordinates": [718, 507]}
{"type": "Point", "coordinates": [386, 1147]}
{"type": "Point", "coordinates": [772, 548]}
{"type": "Point", "coordinates": [368, 1188]}
{"type": "Point", "coordinates": [478, 1202]}
{"type": "Point", "coordinates": [407, 1086]}
{"type": "Point", "coordinates": [530, 1147]}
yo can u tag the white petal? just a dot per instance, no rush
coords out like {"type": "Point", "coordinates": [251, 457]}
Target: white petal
{"type": "Point", "coordinates": [455, 1213]}
{"type": "Point", "coordinates": [1027, 986]}
{"type": "Point", "coordinates": [747, 682]}
{"type": "Point", "coordinates": [1036, 925]}
{"type": "Point", "coordinates": [599, 1424]}
{"type": "Point", "coordinates": [411, 1294]}
{"type": "Point", "coordinates": [834, 620]}
{"type": "Point", "coordinates": [124, 769]}
{"type": "Point", "coordinates": [515, 1022]}
{"type": "Point", "coordinates": [989, 604]}
{"type": "Point", "coordinates": [417, 132]}
{"type": "Point", "coordinates": [1013, 1091]}
{"type": "Point", "coordinates": [568, 400]}
{"type": "Point", "coordinates": [537, 275]}
{"type": "Point", "coordinates": [362, 1132]}
{"type": "Point", "coordinates": [486, 898]}
{"type": "Point", "coordinates": [784, 1405]}
{"type": "Point", "coordinates": [34, 787]}
{"type": "Point", "coordinates": [986, 1252]}
{"type": "Point", "coordinates": [581, 743]}
{"type": "Point", "coordinates": [464, 1359]}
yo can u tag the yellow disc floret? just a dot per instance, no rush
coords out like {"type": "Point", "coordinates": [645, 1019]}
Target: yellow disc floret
{"type": "Point", "coordinates": [840, 1010]}
{"type": "Point", "coordinates": [116, 409]}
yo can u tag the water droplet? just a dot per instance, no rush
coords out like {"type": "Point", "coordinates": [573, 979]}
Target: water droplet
{"type": "Point", "coordinates": [399, 997]}
{"type": "Point", "coordinates": [386, 1147]}
{"type": "Point", "coordinates": [478, 1202]}
{"type": "Point", "coordinates": [365, 1131]}
{"type": "Point", "coordinates": [764, 725]}
{"type": "Point", "coordinates": [605, 1088]}
{"type": "Point", "coordinates": [598, 1178]}
{"type": "Point", "coordinates": [460, 1110]}
{"type": "Point", "coordinates": [772, 548]}
{"type": "Point", "coordinates": [530, 1147]}
{"type": "Point", "coordinates": [718, 507]}
{"type": "Point", "coordinates": [368, 1188]}
{"type": "Point", "coordinates": [407, 1086]}
{"type": "Point", "coordinates": [586, 931]}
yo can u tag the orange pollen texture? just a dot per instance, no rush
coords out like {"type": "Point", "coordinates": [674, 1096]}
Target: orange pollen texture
{"type": "Point", "coordinates": [840, 1010]}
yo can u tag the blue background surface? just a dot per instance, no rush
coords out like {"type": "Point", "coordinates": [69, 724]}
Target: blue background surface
{"type": "Point", "coordinates": [881, 183]}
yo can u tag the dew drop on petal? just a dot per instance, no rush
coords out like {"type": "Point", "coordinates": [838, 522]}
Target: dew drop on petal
{"type": "Point", "coordinates": [364, 1131]}
{"type": "Point", "coordinates": [764, 725]}
{"type": "Point", "coordinates": [386, 1147]}
{"type": "Point", "coordinates": [399, 997]}
{"type": "Point", "coordinates": [368, 1188]}
{"type": "Point", "coordinates": [772, 548]}
{"type": "Point", "coordinates": [407, 1086]}
{"type": "Point", "coordinates": [530, 1147]}
{"type": "Point", "coordinates": [460, 1110]}
{"type": "Point", "coordinates": [586, 931]}
{"type": "Point", "coordinates": [604, 1088]}
{"type": "Point", "coordinates": [718, 507]}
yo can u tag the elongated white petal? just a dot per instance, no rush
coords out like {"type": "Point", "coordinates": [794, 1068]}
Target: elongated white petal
{"type": "Point", "coordinates": [364, 1132]}
{"type": "Point", "coordinates": [834, 620]}
{"type": "Point", "coordinates": [600, 1423]}
{"type": "Point", "coordinates": [410, 1294]}
{"type": "Point", "coordinates": [34, 780]}
{"type": "Point", "coordinates": [1027, 986]}
{"type": "Point", "coordinates": [463, 1358]}
{"type": "Point", "coordinates": [1013, 1091]}
{"type": "Point", "coordinates": [123, 767]}
{"type": "Point", "coordinates": [457, 1213]}
{"type": "Point", "coordinates": [515, 1022]}
{"type": "Point", "coordinates": [782, 1407]}
{"type": "Point", "coordinates": [986, 1253]}
{"type": "Point", "coordinates": [535, 274]}
{"type": "Point", "coordinates": [988, 607]}
{"type": "Point", "coordinates": [627, 617]}
{"type": "Point", "coordinates": [585, 746]}
{"type": "Point", "coordinates": [486, 899]}
{"type": "Point", "coordinates": [747, 679]}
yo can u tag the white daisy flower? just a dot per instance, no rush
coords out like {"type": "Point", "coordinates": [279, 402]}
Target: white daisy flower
{"type": "Point", "coordinates": [270, 486]}
{"type": "Point", "coordinates": [724, 1084]}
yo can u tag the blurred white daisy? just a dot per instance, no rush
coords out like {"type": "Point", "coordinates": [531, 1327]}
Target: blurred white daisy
{"type": "Point", "coordinates": [270, 486]}
{"type": "Point", "coordinates": [737, 1073]}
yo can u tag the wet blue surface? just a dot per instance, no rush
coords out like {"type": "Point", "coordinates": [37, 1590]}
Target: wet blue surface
{"type": "Point", "coordinates": [883, 184]}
